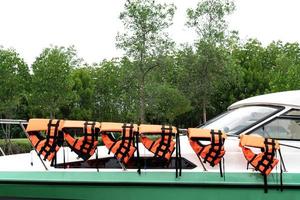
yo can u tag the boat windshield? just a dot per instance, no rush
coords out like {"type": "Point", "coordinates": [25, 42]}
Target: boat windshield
{"type": "Point", "coordinates": [233, 122]}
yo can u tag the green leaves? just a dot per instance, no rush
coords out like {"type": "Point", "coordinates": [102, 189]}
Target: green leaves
{"type": "Point", "coordinates": [154, 81]}
{"type": "Point", "coordinates": [83, 89]}
{"type": "Point", "coordinates": [14, 79]}
{"type": "Point", "coordinates": [145, 39]}
{"type": "Point", "coordinates": [165, 103]}
{"type": "Point", "coordinates": [286, 68]}
{"type": "Point", "coordinates": [51, 80]}
{"type": "Point", "coordinates": [209, 59]}
{"type": "Point", "coordinates": [208, 19]}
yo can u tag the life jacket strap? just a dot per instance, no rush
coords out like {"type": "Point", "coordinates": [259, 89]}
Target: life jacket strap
{"type": "Point", "coordinates": [127, 142]}
{"type": "Point", "coordinates": [85, 146]}
{"type": "Point", "coordinates": [165, 142]}
{"type": "Point", "coordinates": [215, 149]}
{"type": "Point", "coordinates": [50, 144]}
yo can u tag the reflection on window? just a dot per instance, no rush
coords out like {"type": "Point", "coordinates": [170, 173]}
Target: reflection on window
{"type": "Point", "coordinates": [293, 112]}
{"type": "Point", "coordinates": [234, 121]}
{"type": "Point", "coordinates": [280, 129]}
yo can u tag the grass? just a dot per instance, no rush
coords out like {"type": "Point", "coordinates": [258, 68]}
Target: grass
{"type": "Point", "coordinates": [21, 141]}
{"type": "Point", "coordinates": [18, 145]}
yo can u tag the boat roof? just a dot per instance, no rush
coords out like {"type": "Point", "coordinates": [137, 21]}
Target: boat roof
{"type": "Point", "coordinates": [287, 98]}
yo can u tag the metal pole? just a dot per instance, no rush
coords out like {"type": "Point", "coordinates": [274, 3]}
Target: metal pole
{"type": "Point", "coordinates": [27, 135]}
{"type": "Point", "coordinates": [2, 151]}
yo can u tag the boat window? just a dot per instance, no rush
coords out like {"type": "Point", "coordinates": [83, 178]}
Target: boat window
{"type": "Point", "coordinates": [235, 121]}
{"type": "Point", "coordinates": [112, 163]}
{"type": "Point", "coordinates": [280, 128]}
{"type": "Point", "coordinates": [293, 112]}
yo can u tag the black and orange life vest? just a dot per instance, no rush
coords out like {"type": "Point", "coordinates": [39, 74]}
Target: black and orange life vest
{"type": "Point", "coordinates": [124, 148]}
{"type": "Point", "coordinates": [265, 161]}
{"type": "Point", "coordinates": [86, 145]}
{"type": "Point", "coordinates": [162, 147]}
{"type": "Point", "coordinates": [49, 145]}
{"type": "Point", "coordinates": [211, 153]}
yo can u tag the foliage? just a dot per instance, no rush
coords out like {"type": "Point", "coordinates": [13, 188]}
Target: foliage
{"type": "Point", "coordinates": [285, 72]}
{"type": "Point", "coordinates": [145, 39]}
{"type": "Point", "coordinates": [83, 94]}
{"type": "Point", "coordinates": [165, 104]}
{"type": "Point", "coordinates": [17, 146]}
{"type": "Point", "coordinates": [14, 82]}
{"type": "Point", "coordinates": [208, 19]}
{"type": "Point", "coordinates": [51, 80]}
{"type": "Point", "coordinates": [154, 81]}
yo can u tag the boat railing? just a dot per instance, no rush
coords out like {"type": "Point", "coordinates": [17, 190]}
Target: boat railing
{"type": "Point", "coordinates": [11, 122]}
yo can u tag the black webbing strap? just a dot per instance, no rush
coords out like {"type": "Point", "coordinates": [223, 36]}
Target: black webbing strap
{"type": "Point", "coordinates": [52, 146]}
{"type": "Point", "coordinates": [178, 163]}
{"type": "Point", "coordinates": [265, 183]}
{"type": "Point", "coordinates": [214, 150]}
{"type": "Point", "coordinates": [250, 161]}
{"type": "Point", "coordinates": [162, 142]}
{"type": "Point", "coordinates": [54, 162]}
{"type": "Point", "coordinates": [125, 140]}
{"type": "Point", "coordinates": [93, 134]}
{"type": "Point", "coordinates": [220, 167]}
{"type": "Point", "coordinates": [40, 138]}
{"type": "Point", "coordinates": [112, 139]}
{"type": "Point", "coordinates": [282, 168]}
{"type": "Point", "coordinates": [64, 155]}
{"type": "Point", "coordinates": [268, 156]}
{"type": "Point", "coordinates": [218, 153]}
{"type": "Point", "coordinates": [281, 181]}
{"type": "Point", "coordinates": [97, 163]}
{"type": "Point", "coordinates": [281, 160]}
{"type": "Point", "coordinates": [179, 153]}
{"type": "Point", "coordinates": [138, 152]}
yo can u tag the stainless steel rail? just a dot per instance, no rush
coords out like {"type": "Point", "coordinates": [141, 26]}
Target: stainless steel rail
{"type": "Point", "coordinates": [21, 123]}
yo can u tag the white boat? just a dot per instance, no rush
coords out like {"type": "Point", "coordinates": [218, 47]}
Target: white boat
{"type": "Point", "coordinates": [275, 116]}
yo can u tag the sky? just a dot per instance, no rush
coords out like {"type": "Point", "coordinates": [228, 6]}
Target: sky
{"type": "Point", "coordinates": [92, 25]}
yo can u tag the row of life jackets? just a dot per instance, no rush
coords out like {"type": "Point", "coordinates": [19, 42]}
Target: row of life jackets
{"type": "Point", "coordinates": [213, 152]}
{"type": "Point", "coordinates": [124, 147]}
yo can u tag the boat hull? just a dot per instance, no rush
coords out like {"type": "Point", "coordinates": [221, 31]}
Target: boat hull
{"type": "Point", "coordinates": [148, 185]}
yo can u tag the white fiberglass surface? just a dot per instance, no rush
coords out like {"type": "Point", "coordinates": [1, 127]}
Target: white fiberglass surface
{"type": "Point", "coordinates": [234, 121]}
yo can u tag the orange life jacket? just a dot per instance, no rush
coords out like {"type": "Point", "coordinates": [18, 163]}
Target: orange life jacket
{"type": "Point", "coordinates": [124, 148]}
{"type": "Point", "coordinates": [264, 161]}
{"type": "Point", "coordinates": [86, 145]}
{"type": "Point", "coordinates": [211, 153]}
{"type": "Point", "coordinates": [49, 145]}
{"type": "Point", "coordinates": [162, 147]}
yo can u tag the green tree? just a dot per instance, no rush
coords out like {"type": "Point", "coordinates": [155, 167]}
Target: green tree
{"type": "Point", "coordinates": [14, 80]}
{"type": "Point", "coordinates": [115, 91]}
{"type": "Point", "coordinates": [285, 73]}
{"type": "Point", "coordinates": [51, 80]}
{"type": "Point", "coordinates": [208, 20]}
{"type": "Point", "coordinates": [83, 97]}
{"type": "Point", "coordinates": [165, 103]}
{"type": "Point", "coordinates": [145, 39]}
